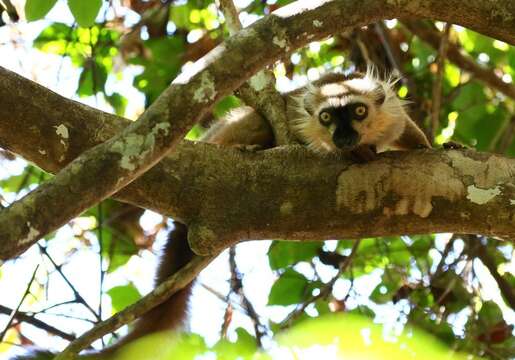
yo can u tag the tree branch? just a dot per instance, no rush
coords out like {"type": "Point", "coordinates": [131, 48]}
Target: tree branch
{"type": "Point", "coordinates": [276, 193]}
{"type": "Point", "coordinates": [141, 145]}
{"type": "Point", "coordinates": [12, 315]}
{"type": "Point", "coordinates": [22, 316]}
{"type": "Point", "coordinates": [259, 92]}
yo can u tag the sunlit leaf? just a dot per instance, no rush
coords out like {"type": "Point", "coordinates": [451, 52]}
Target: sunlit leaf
{"type": "Point", "coordinates": [123, 296]}
{"type": "Point", "coordinates": [346, 336]}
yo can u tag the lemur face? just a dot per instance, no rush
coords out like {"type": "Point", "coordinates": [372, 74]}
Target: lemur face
{"type": "Point", "coordinates": [339, 122]}
{"type": "Point", "coordinates": [341, 112]}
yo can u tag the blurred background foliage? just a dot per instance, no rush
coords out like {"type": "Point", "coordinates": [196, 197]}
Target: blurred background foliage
{"type": "Point", "coordinates": [459, 288]}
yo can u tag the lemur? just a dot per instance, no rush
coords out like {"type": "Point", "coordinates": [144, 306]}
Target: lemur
{"type": "Point", "coordinates": [358, 113]}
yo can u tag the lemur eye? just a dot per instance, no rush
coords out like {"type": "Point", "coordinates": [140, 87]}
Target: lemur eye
{"type": "Point", "coordinates": [325, 118]}
{"type": "Point", "coordinates": [360, 110]}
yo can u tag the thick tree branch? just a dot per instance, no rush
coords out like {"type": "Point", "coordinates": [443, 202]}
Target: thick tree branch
{"type": "Point", "coordinates": [141, 145]}
{"type": "Point", "coordinates": [276, 193]}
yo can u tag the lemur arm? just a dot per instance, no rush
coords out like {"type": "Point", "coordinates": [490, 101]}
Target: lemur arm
{"type": "Point", "coordinates": [412, 137]}
{"type": "Point", "coordinates": [242, 126]}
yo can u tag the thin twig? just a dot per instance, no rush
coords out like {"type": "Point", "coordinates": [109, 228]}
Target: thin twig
{"type": "Point", "coordinates": [100, 235]}
{"type": "Point", "coordinates": [12, 316]}
{"type": "Point", "coordinates": [78, 296]}
{"type": "Point", "coordinates": [10, 10]}
{"type": "Point", "coordinates": [390, 54]}
{"type": "Point", "coordinates": [482, 252]}
{"type": "Point", "coordinates": [223, 298]}
{"type": "Point", "coordinates": [325, 291]}
{"type": "Point", "coordinates": [237, 288]}
{"type": "Point", "coordinates": [174, 283]}
{"type": "Point", "coordinates": [437, 84]}
{"type": "Point", "coordinates": [30, 319]}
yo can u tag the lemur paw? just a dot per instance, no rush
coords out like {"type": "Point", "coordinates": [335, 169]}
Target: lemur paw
{"type": "Point", "coordinates": [364, 153]}
{"type": "Point", "coordinates": [248, 148]}
{"type": "Point", "coordinates": [422, 147]}
{"type": "Point", "coordinates": [452, 145]}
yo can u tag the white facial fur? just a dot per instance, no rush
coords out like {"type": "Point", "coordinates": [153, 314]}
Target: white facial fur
{"type": "Point", "coordinates": [382, 127]}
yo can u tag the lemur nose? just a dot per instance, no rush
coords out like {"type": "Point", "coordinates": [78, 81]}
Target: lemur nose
{"type": "Point", "coordinates": [345, 140]}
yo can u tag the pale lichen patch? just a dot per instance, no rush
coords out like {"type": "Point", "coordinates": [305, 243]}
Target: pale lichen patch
{"type": "Point", "coordinates": [32, 234]}
{"type": "Point", "coordinates": [206, 91]}
{"type": "Point", "coordinates": [512, 202]}
{"type": "Point", "coordinates": [505, 15]}
{"type": "Point", "coordinates": [318, 23]}
{"type": "Point", "coordinates": [485, 174]}
{"type": "Point", "coordinates": [282, 43]}
{"type": "Point", "coordinates": [42, 152]}
{"type": "Point", "coordinates": [62, 131]}
{"type": "Point", "coordinates": [130, 149]}
{"type": "Point", "coordinates": [259, 81]}
{"type": "Point", "coordinates": [363, 188]}
{"type": "Point", "coordinates": [481, 196]}
{"type": "Point", "coordinates": [134, 147]}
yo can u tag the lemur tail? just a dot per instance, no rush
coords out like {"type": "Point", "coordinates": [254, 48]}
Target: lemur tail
{"type": "Point", "coordinates": [171, 314]}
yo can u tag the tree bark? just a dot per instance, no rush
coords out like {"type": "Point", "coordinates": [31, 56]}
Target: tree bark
{"type": "Point", "coordinates": [121, 159]}
{"type": "Point", "coordinates": [281, 193]}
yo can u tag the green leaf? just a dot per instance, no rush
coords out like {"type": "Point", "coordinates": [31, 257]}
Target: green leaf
{"type": "Point", "coordinates": [244, 348]}
{"type": "Point", "coordinates": [225, 105]}
{"type": "Point", "coordinates": [37, 9]}
{"type": "Point", "coordinates": [123, 296]}
{"type": "Point", "coordinates": [85, 12]}
{"type": "Point", "coordinates": [285, 253]}
{"type": "Point", "coordinates": [195, 133]}
{"type": "Point", "coordinates": [92, 79]}
{"type": "Point", "coordinates": [490, 314]}
{"type": "Point", "coordinates": [289, 289]}
{"type": "Point", "coordinates": [385, 290]}
{"type": "Point", "coordinates": [118, 102]}
{"type": "Point", "coordinates": [349, 336]}
{"type": "Point", "coordinates": [161, 68]}
{"type": "Point", "coordinates": [117, 247]}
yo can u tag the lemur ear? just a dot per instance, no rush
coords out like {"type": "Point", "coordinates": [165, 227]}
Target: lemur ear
{"type": "Point", "coordinates": [379, 94]}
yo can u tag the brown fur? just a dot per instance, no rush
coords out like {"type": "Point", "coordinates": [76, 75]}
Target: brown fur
{"type": "Point", "coordinates": [412, 137]}
{"type": "Point", "coordinates": [171, 314]}
{"type": "Point", "coordinates": [242, 126]}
